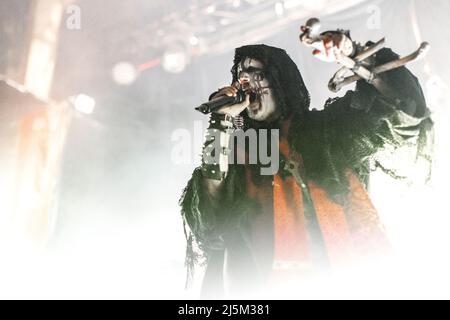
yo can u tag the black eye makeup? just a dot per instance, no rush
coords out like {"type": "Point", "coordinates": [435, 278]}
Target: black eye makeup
{"type": "Point", "coordinates": [256, 74]}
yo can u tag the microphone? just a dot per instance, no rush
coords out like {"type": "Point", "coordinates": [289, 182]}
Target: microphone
{"type": "Point", "coordinates": [217, 103]}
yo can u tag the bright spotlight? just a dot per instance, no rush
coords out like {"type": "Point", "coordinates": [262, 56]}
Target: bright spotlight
{"type": "Point", "coordinates": [175, 61]}
{"type": "Point", "coordinates": [193, 41]}
{"type": "Point", "coordinates": [279, 8]}
{"type": "Point", "coordinates": [124, 73]}
{"type": "Point", "coordinates": [211, 9]}
{"type": "Point", "coordinates": [83, 103]}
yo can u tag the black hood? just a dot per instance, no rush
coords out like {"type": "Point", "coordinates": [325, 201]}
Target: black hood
{"type": "Point", "coordinates": [285, 78]}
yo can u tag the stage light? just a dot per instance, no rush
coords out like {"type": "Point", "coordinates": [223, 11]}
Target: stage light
{"type": "Point", "coordinates": [175, 60]}
{"type": "Point", "coordinates": [124, 73]}
{"type": "Point", "coordinates": [211, 9]}
{"type": "Point", "coordinates": [83, 103]}
{"type": "Point", "coordinates": [193, 40]}
{"type": "Point", "coordinates": [279, 8]}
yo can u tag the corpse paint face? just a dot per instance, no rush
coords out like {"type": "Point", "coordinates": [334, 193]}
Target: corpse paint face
{"type": "Point", "coordinates": [251, 77]}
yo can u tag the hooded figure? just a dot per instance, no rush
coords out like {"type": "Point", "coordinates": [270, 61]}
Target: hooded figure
{"type": "Point", "coordinates": [314, 213]}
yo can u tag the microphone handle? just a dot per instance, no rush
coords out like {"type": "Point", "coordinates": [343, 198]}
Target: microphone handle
{"type": "Point", "coordinates": [216, 104]}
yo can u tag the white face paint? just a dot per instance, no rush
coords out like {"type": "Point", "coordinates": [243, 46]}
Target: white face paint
{"type": "Point", "coordinates": [251, 76]}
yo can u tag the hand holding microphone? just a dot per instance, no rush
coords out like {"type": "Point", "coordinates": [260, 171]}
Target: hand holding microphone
{"type": "Point", "coordinates": [229, 100]}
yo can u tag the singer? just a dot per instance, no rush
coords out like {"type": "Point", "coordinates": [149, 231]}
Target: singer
{"type": "Point", "coordinates": [251, 231]}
